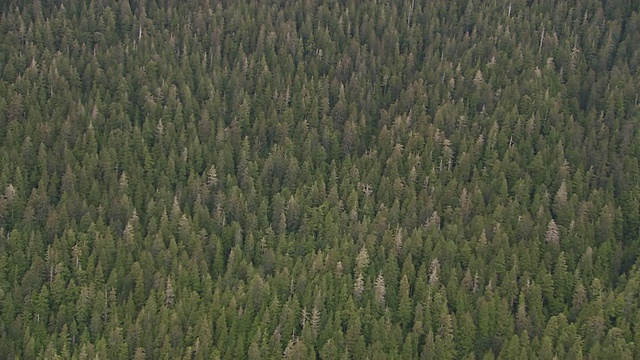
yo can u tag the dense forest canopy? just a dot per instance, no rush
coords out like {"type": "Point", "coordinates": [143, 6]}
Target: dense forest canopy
{"type": "Point", "coordinates": [435, 179]}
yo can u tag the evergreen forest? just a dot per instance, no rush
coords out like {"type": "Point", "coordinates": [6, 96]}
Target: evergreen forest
{"type": "Point", "coordinates": [319, 179]}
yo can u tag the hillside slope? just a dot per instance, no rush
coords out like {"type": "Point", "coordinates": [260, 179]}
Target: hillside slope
{"type": "Point", "coordinates": [319, 179]}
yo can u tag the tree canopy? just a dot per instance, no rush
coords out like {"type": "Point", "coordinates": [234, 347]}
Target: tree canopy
{"type": "Point", "coordinates": [319, 179]}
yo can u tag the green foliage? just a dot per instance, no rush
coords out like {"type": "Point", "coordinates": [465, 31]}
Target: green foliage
{"type": "Point", "coordinates": [320, 179]}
